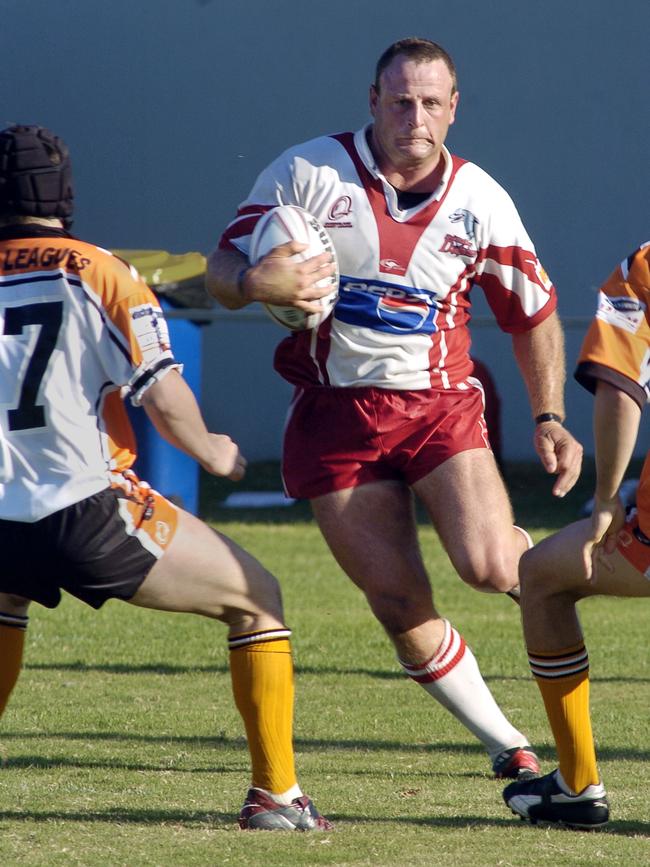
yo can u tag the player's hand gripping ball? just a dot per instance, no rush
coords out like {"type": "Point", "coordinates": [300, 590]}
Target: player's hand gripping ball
{"type": "Point", "coordinates": [291, 223]}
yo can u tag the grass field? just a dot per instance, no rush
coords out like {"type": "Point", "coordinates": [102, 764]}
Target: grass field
{"type": "Point", "coordinates": [122, 746]}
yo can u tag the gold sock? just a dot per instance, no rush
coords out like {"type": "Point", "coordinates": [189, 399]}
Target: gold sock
{"type": "Point", "coordinates": [563, 680]}
{"type": "Point", "coordinates": [261, 668]}
{"type": "Point", "coordinates": [12, 642]}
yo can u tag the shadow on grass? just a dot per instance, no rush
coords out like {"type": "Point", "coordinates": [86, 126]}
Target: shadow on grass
{"type": "Point", "coordinates": [318, 671]}
{"type": "Point", "coordinates": [306, 745]}
{"type": "Point", "coordinates": [238, 743]}
{"type": "Point", "coordinates": [43, 763]}
{"type": "Point", "coordinates": [133, 817]}
{"type": "Point", "coordinates": [228, 821]}
{"type": "Point", "coordinates": [624, 829]}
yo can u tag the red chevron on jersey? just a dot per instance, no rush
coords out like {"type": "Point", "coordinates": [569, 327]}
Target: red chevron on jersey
{"type": "Point", "coordinates": [397, 240]}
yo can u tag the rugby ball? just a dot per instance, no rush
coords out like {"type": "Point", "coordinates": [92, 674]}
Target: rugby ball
{"type": "Point", "coordinates": [292, 223]}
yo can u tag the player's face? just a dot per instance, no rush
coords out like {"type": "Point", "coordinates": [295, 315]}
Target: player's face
{"type": "Point", "coordinates": [412, 112]}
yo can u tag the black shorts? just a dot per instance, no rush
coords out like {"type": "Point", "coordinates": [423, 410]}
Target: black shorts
{"type": "Point", "coordinates": [100, 548]}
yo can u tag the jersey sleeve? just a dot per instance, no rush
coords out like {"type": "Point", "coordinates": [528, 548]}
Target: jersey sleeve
{"type": "Point", "coordinates": [274, 186]}
{"type": "Point", "coordinates": [137, 352]}
{"type": "Point", "coordinates": [616, 348]}
{"type": "Point", "coordinates": [515, 284]}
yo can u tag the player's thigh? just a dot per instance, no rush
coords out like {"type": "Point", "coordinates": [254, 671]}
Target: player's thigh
{"type": "Point", "coordinates": [372, 533]}
{"type": "Point", "coordinates": [555, 566]}
{"type": "Point", "coordinates": [616, 576]}
{"type": "Point", "coordinates": [470, 509]}
{"type": "Point", "coordinates": [207, 573]}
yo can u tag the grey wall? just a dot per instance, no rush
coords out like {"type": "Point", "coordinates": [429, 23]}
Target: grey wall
{"type": "Point", "coordinates": [171, 107]}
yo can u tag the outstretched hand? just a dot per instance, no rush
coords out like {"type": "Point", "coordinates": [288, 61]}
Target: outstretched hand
{"type": "Point", "coordinates": [560, 453]}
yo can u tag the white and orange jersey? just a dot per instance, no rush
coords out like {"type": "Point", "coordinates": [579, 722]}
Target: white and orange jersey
{"type": "Point", "coordinates": [406, 273]}
{"type": "Point", "coordinates": [79, 331]}
{"type": "Point", "coordinates": [616, 348]}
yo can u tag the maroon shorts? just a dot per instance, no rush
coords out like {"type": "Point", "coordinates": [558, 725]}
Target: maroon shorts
{"type": "Point", "coordinates": [345, 437]}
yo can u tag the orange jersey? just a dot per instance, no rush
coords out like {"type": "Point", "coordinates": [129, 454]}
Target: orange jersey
{"type": "Point", "coordinates": [79, 331]}
{"type": "Point", "coordinates": [616, 348]}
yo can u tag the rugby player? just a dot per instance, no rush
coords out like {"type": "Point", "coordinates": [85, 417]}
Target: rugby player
{"type": "Point", "coordinates": [385, 404]}
{"type": "Point", "coordinates": [606, 555]}
{"type": "Point", "coordinates": [80, 332]}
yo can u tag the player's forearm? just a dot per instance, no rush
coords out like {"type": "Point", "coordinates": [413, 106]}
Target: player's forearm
{"type": "Point", "coordinates": [540, 356]}
{"type": "Point", "coordinates": [616, 425]}
{"type": "Point", "coordinates": [174, 412]}
{"type": "Point", "coordinates": [223, 278]}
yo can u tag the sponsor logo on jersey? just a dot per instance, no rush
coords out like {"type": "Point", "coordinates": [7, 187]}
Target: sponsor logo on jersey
{"type": "Point", "coordinates": [469, 221]}
{"type": "Point", "coordinates": [457, 246]}
{"type": "Point", "coordinates": [403, 314]}
{"type": "Point", "coordinates": [150, 330]}
{"type": "Point", "coordinates": [387, 307]}
{"type": "Point", "coordinates": [621, 311]}
{"type": "Point", "coordinates": [341, 208]}
{"type": "Point", "coordinates": [162, 532]}
{"type": "Point", "coordinates": [626, 304]}
{"type": "Point", "coordinates": [144, 310]}
{"type": "Point", "coordinates": [391, 265]}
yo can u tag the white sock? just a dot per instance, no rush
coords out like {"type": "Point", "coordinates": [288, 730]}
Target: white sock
{"type": "Point", "coordinates": [592, 791]}
{"type": "Point", "coordinates": [453, 678]}
{"type": "Point", "coordinates": [284, 798]}
{"type": "Point", "coordinates": [514, 593]}
{"type": "Point", "coordinates": [526, 535]}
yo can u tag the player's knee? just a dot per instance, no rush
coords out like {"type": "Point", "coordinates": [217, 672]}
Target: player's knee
{"type": "Point", "coordinates": [492, 574]}
{"type": "Point", "coordinates": [492, 566]}
{"type": "Point", "coordinates": [531, 566]}
{"type": "Point", "coordinates": [537, 577]}
{"type": "Point", "coordinates": [270, 599]}
{"type": "Point", "coordinates": [262, 601]}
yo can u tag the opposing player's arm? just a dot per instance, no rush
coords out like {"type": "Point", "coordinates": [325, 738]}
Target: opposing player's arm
{"type": "Point", "coordinates": [616, 426]}
{"type": "Point", "coordinates": [275, 279]}
{"type": "Point", "coordinates": [174, 412]}
{"type": "Point", "coordinates": [540, 355]}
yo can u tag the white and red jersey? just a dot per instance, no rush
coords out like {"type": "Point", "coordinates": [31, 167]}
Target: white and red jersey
{"type": "Point", "coordinates": [79, 330]}
{"type": "Point", "coordinates": [406, 274]}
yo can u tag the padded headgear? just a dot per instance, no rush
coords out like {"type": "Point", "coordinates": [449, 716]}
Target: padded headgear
{"type": "Point", "coordinates": [35, 174]}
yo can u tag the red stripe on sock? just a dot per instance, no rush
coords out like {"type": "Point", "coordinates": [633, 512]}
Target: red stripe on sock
{"type": "Point", "coordinates": [430, 676]}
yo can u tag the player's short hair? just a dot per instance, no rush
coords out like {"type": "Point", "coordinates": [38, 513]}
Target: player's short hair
{"type": "Point", "coordinates": [420, 51]}
{"type": "Point", "coordinates": [35, 174]}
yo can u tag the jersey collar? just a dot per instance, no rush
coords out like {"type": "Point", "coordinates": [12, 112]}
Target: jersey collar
{"type": "Point", "coordinates": [366, 155]}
